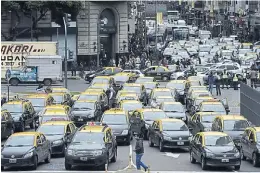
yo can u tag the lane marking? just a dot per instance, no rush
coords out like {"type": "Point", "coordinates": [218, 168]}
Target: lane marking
{"type": "Point", "coordinates": [131, 154]}
{"type": "Point", "coordinates": [171, 155]}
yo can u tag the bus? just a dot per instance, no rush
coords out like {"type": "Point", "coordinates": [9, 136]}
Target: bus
{"type": "Point", "coordinates": [173, 16]}
{"type": "Point", "coordinates": [177, 32]}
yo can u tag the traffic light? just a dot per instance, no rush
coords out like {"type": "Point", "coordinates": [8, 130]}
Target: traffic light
{"type": "Point", "coordinates": [71, 54]}
{"type": "Point", "coordinates": [67, 19]}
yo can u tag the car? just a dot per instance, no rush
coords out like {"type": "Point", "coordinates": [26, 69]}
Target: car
{"type": "Point", "coordinates": [61, 98]}
{"type": "Point", "coordinates": [65, 108]}
{"type": "Point", "coordinates": [105, 71]}
{"type": "Point", "coordinates": [142, 80]}
{"type": "Point", "coordinates": [103, 80]}
{"type": "Point", "coordinates": [214, 149]}
{"type": "Point", "coordinates": [193, 94]}
{"type": "Point", "coordinates": [250, 145]}
{"type": "Point", "coordinates": [195, 101]}
{"type": "Point", "coordinates": [139, 89]}
{"type": "Point", "coordinates": [190, 83]}
{"type": "Point", "coordinates": [233, 125]}
{"type": "Point", "coordinates": [160, 99]}
{"type": "Point", "coordinates": [137, 72]}
{"type": "Point", "coordinates": [174, 110]}
{"type": "Point", "coordinates": [101, 147]}
{"type": "Point", "coordinates": [212, 106]}
{"type": "Point", "coordinates": [86, 110]}
{"type": "Point", "coordinates": [130, 105]}
{"type": "Point", "coordinates": [202, 121]}
{"type": "Point", "coordinates": [169, 133]}
{"type": "Point", "coordinates": [25, 149]}
{"type": "Point", "coordinates": [122, 78]}
{"type": "Point", "coordinates": [54, 115]}
{"type": "Point", "coordinates": [158, 72]}
{"type": "Point", "coordinates": [101, 87]}
{"type": "Point", "coordinates": [58, 132]}
{"type": "Point", "coordinates": [160, 92]}
{"type": "Point", "coordinates": [118, 120]}
{"type": "Point", "coordinates": [177, 86]}
{"type": "Point", "coordinates": [7, 124]}
{"type": "Point", "coordinates": [149, 86]}
{"type": "Point", "coordinates": [60, 90]}
{"type": "Point", "coordinates": [127, 96]}
{"type": "Point", "coordinates": [22, 112]}
{"type": "Point", "coordinates": [40, 101]}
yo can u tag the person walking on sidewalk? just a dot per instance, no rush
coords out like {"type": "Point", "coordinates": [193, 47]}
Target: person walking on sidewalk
{"type": "Point", "coordinates": [211, 81]}
{"type": "Point", "coordinates": [217, 83]}
{"type": "Point", "coordinates": [139, 150]}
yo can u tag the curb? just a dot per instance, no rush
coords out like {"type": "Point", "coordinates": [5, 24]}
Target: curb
{"type": "Point", "coordinates": [74, 78]}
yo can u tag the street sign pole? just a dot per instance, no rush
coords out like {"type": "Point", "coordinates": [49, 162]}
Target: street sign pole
{"type": "Point", "coordinates": [7, 76]}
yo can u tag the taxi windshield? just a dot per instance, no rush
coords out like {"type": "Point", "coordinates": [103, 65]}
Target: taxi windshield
{"type": "Point", "coordinates": [21, 140]}
{"type": "Point", "coordinates": [54, 118]}
{"type": "Point", "coordinates": [161, 100]}
{"type": "Point", "coordinates": [110, 119]}
{"type": "Point", "coordinates": [58, 98]}
{"type": "Point", "coordinates": [88, 137]}
{"type": "Point", "coordinates": [162, 93]}
{"type": "Point", "coordinates": [178, 86]}
{"type": "Point", "coordinates": [37, 102]}
{"type": "Point", "coordinates": [235, 125]}
{"type": "Point", "coordinates": [128, 98]}
{"type": "Point", "coordinates": [212, 108]}
{"type": "Point", "coordinates": [153, 115]}
{"type": "Point", "coordinates": [104, 87]}
{"type": "Point", "coordinates": [143, 80]}
{"type": "Point", "coordinates": [174, 126]}
{"type": "Point", "coordinates": [133, 88]}
{"type": "Point", "coordinates": [132, 106]}
{"type": "Point", "coordinates": [13, 108]}
{"type": "Point", "coordinates": [173, 108]}
{"type": "Point", "coordinates": [100, 80]}
{"type": "Point", "coordinates": [149, 85]}
{"type": "Point", "coordinates": [84, 105]}
{"type": "Point", "coordinates": [218, 141]}
{"type": "Point", "coordinates": [121, 78]}
{"type": "Point", "coordinates": [88, 97]}
{"type": "Point", "coordinates": [228, 53]}
{"type": "Point", "coordinates": [208, 118]}
{"type": "Point", "coordinates": [49, 130]}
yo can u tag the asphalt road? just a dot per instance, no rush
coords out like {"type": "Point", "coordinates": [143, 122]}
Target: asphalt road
{"type": "Point", "coordinates": [171, 160]}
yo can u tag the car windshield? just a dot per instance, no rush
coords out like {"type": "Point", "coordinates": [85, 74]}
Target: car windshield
{"type": "Point", "coordinates": [88, 137]}
{"type": "Point", "coordinates": [104, 87]}
{"type": "Point", "coordinates": [218, 141]}
{"type": "Point", "coordinates": [149, 85]}
{"type": "Point", "coordinates": [133, 88]}
{"type": "Point", "coordinates": [83, 105]}
{"type": "Point", "coordinates": [20, 140]}
{"type": "Point", "coordinates": [13, 108]}
{"type": "Point", "coordinates": [227, 53]}
{"type": "Point", "coordinates": [154, 115]}
{"type": "Point", "coordinates": [174, 126]}
{"type": "Point", "coordinates": [208, 118]}
{"type": "Point", "coordinates": [162, 93]}
{"type": "Point", "coordinates": [58, 98]}
{"type": "Point", "coordinates": [198, 101]}
{"type": "Point", "coordinates": [173, 108]}
{"type": "Point", "coordinates": [53, 118]}
{"type": "Point", "coordinates": [110, 119]}
{"type": "Point", "coordinates": [143, 80]}
{"type": "Point", "coordinates": [121, 78]}
{"type": "Point", "coordinates": [100, 80]}
{"type": "Point", "coordinates": [49, 130]}
{"type": "Point", "coordinates": [128, 97]}
{"type": "Point", "coordinates": [235, 125]}
{"type": "Point", "coordinates": [258, 136]}
{"type": "Point", "coordinates": [178, 86]}
{"type": "Point", "coordinates": [37, 102]}
{"type": "Point", "coordinates": [213, 108]}
{"type": "Point", "coordinates": [132, 106]}
{"type": "Point", "coordinates": [201, 69]}
{"type": "Point", "coordinates": [161, 100]}
{"type": "Point", "coordinates": [88, 97]}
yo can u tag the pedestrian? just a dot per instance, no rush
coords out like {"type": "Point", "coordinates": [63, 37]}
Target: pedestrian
{"type": "Point", "coordinates": [139, 151]}
{"type": "Point", "coordinates": [217, 83]}
{"type": "Point", "coordinates": [4, 99]}
{"type": "Point", "coordinates": [253, 78]}
{"type": "Point", "coordinates": [211, 81]}
{"type": "Point", "coordinates": [235, 81]}
{"type": "Point", "coordinates": [111, 96]}
{"type": "Point", "coordinates": [225, 79]}
{"type": "Point", "coordinates": [40, 89]}
{"type": "Point", "coordinates": [74, 68]}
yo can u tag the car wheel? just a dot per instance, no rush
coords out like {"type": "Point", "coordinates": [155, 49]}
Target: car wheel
{"type": "Point", "coordinates": [255, 160]}
{"type": "Point", "coordinates": [68, 166]}
{"type": "Point", "coordinates": [47, 82]}
{"type": "Point", "coordinates": [165, 78]}
{"type": "Point", "coordinates": [192, 160]}
{"type": "Point", "coordinates": [151, 144]}
{"type": "Point", "coordinates": [161, 147]}
{"type": "Point", "coordinates": [14, 82]}
{"type": "Point", "coordinates": [237, 168]}
{"type": "Point", "coordinates": [32, 125]}
{"type": "Point", "coordinates": [48, 159]}
{"type": "Point", "coordinates": [203, 164]}
{"type": "Point", "coordinates": [243, 157]}
{"type": "Point", "coordinates": [35, 163]}
{"type": "Point", "coordinates": [103, 167]}
{"type": "Point", "coordinates": [114, 158]}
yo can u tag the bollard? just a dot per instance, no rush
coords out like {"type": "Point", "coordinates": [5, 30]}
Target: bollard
{"type": "Point", "coordinates": [130, 162]}
{"type": "Point", "coordinates": [106, 167]}
{"type": "Point", "coordinates": [148, 170]}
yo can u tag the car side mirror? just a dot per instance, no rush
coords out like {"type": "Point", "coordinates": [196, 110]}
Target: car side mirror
{"type": "Point", "coordinates": [39, 144]}
{"type": "Point", "coordinates": [156, 129]}
{"type": "Point", "coordinates": [3, 122]}
{"type": "Point", "coordinates": [26, 112]}
{"type": "Point", "coordinates": [68, 140]}
{"type": "Point", "coordinates": [251, 140]}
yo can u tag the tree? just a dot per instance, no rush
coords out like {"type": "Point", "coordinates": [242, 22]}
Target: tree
{"type": "Point", "coordinates": [28, 8]}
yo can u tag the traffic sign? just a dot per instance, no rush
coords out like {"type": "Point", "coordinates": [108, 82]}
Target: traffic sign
{"type": "Point", "coordinates": [8, 74]}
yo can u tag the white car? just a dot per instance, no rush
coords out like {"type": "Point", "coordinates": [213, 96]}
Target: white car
{"type": "Point", "coordinates": [138, 72]}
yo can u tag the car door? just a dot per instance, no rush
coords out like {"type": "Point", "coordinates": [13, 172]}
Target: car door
{"type": "Point", "coordinates": [39, 148]}
{"type": "Point", "coordinates": [194, 146]}
{"type": "Point", "coordinates": [192, 123]}
{"type": "Point", "coordinates": [150, 72]}
{"type": "Point", "coordinates": [151, 131]}
{"type": "Point", "coordinates": [109, 143]}
{"type": "Point", "coordinates": [245, 142]}
{"type": "Point", "coordinates": [157, 133]}
{"type": "Point", "coordinates": [3, 125]}
{"type": "Point", "coordinates": [68, 132]}
{"type": "Point", "coordinates": [159, 73]}
{"type": "Point", "coordinates": [45, 146]}
{"type": "Point", "coordinates": [197, 124]}
{"type": "Point", "coordinates": [251, 144]}
{"type": "Point", "coordinates": [9, 123]}
{"type": "Point", "coordinates": [26, 116]}
{"type": "Point", "coordinates": [31, 112]}
{"type": "Point", "coordinates": [73, 129]}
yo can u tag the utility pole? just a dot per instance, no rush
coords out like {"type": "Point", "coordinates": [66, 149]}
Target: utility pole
{"type": "Point", "coordinates": [156, 53]}
{"type": "Point", "coordinates": [66, 21]}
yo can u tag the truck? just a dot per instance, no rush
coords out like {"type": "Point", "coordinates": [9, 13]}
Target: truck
{"type": "Point", "coordinates": [38, 69]}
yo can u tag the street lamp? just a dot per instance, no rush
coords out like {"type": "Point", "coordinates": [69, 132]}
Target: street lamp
{"type": "Point", "coordinates": [101, 22]}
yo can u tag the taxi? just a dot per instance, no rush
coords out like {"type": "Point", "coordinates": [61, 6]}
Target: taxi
{"type": "Point", "coordinates": [160, 92]}
{"type": "Point", "coordinates": [190, 83]}
{"type": "Point", "coordinates": [169, 133]}
{"type": "Point", "coordinates": [177, 86]}
{"type": "Point", "coordinates": [250, 143]}
{"type": "Point", "coordinates": [65, 108]}
{"type": "Point", "coordinates": [104, 87]}
{"type": "Point", "coordinates": [149, 86]}
{"type": "Point", "coordinates": [142, 80]}
{"type": "Point", "coordinates": [118, 120]}
{"type": "Point", "coordinates": [214, 105]}
{"type": "Point", "coordinates": [95, 90]}
{"type": "Point", "coordinates": [103, 80]}
{"type": "Point", "coordinates": [194, 102]}
{"type": "Point", "coordinates": [158, 72]}
{"type": "Point", "coordinates": [246, 46]}
{"type": "Point", "coordinates": [40, 101]}
{"type": "Point", "coordinates": [130, 105]}
{"type": "Point", "coordinates": [149, 116]}
{"type": "Point", "coordinates": [101, 147]}
{"type": "Point", "coordinates": [214, 149]}
{"type": "Point", "coordinates": [122, 78]}
{"type": "Point", "coordinates": [233, 125]}
{"type": "Point", "coordinates": [174, 110]}
{"type": "Point", "coordinates": [22, 112]}
{"type": "Point", "coordinates": [25, 149]}
{"type": "Point", "coordinates": [119, 93]}
{"type": "Point", "coordinates": [100, 97]}
{"type": "Point", "coordinates": [202, 121]}
{"type": "Point", "coordinates": [194, 94]}
{"type": "Point", "coordinates": [105, 71]}
{"type": "Point", "coordinates": [193, 78]}
{"type": "Point", "coordinates": [127, 96]}
{"type": "Point", "coordinates": [60, 90]}
{"type": "Point", "coordinates": [7, 126]}
{"type": "Point", "coordinates": [54, 115]}
{"type": "Point", "coordinates": [58, 132]}
{"type": "Point", "coordinates": [62, 98]}
{"type": "Point", "coordinates": [160, 99]}
{"type": "Point", "coordinates": [139, 89]}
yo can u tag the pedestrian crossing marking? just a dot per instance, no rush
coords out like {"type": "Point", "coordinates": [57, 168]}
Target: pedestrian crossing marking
{"type": "Point", "coordinates": [172, 155]}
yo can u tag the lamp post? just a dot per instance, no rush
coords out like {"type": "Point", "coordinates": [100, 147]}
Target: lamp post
{"type": "Point", "coordinates": [156, 41]}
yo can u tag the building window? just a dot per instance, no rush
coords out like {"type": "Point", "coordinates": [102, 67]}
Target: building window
{"type": "Point", "coordinates": [246, 2]}
{"type": "Point", "coordinates": [128, 27]}
{"type": "Point", "coordinates": [236, 1]}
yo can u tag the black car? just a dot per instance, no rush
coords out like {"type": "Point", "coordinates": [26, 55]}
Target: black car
{"type": "Point", "coordinates": [106, 71]}
{"type": "Point", "coordinates": [158, 72]}
{"type": "Point", "coordinates": [7, 124]}
{"type": "Point", "coordinates": [92, 145]}
{"type": "Point", "coordinates": [85, 110]}
{"type": "Point", "coordinates": [25, 149]}
{"type": "Point", "coordinates": [58, 133]}
{"type": "Point", "coordinates": [169, 133]}
{"type": "Point", "coordinates": [214, 149]}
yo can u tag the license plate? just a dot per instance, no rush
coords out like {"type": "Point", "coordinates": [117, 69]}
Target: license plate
{"type": "Point", "coordinates": [180, 143]}
{"type": "Point", "coordinates": [80, 119]}
{"type": "Point", "coordinates": [225, 160]}
{"type": "Point", "coordinates": [12, 160]}
{"type": "Point", "coordinates": [83, 158]}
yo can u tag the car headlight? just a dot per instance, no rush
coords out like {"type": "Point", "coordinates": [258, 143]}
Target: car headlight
{"type": "Point", "coordinates": [97, 152]}
{"type": "Point", "coordinates": [167, 138]}
{"type": "Point", "coordinates": [183, 118]}
{"type": "Point", "coordinates": [71, 152]}
{"type": "Point", "coordinates": [210, 155]}
{"type": "Point", "coordinates": [237, 154]}
{"type": "Point", "coordinates": [58, 142]}
{"type": "Point", "coordinates": [146, 126]}
{"type": "Point", "coordinates": [92, 75]}
{"type": "Point", "coordinates": [125, 132]}
{"type": "Point", "coordinates": [28, 155]}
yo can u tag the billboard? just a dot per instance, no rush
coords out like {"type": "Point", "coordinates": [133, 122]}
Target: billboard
{"type": "Point", "coordinates": [13, 54]}
{"type": "Point", "coordinates": [160, 18]}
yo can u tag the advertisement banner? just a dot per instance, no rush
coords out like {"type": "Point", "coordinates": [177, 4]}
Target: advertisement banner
{"type": "Point", "coordinates": [160, 18]}
{"type": "Point", "coordinates": [13, 54]}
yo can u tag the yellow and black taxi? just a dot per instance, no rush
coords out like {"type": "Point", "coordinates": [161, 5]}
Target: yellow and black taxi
{"type": "Point", "coordinates": [64, 108]}
{"type": "Point", "coordinates": [62, 98]}
{"type": "Point", "coordinates": [58, 132]}
{"type": "Point", "coordinates": [169, 133]}
{"type": "Point", "coordinates": [122, 78]}
{"type": "Point", "coordinates": [194, 101]}
{"type": "Point", "coordinates": [104, 87]}
{"type": "Point", "coordinates": [118, 120]}
{"type": "Point", "coordinates": [202, 121]}
{"type": "Point", "coordinates": [60, 90]}
{"type": "Point", "coordinates": [40, 101]}
{"type": "Point", "coordinates": [100, 97]}
{"type": "Point", "coordinates": [214, 149]}
{"type": "Point", "coordinates": [22, 112]}
{"type": "Point", "coordinates": [130, 105]}
{"type": "Point", "coordinates": [158, 72]}
{"type": "Point", "coordinates": [149, 86]}
{"type": "Point", "coordinates": [149, 116]}
{"type": "Point", "coordinates": [139, 89]}
{"type": "Point", "coordinates": [54, 115]}
{"type": "Point", "coordinates": [160, 92]}
{"type": "Point", "coordinates": [250, 145]}
{"type": "Point", "coordinates": [190, 83]}
{"type": "Point", "coordinates": [195, 88]}
{"type": "Point", "coordinates": [103, 80]}
{"type": "Point", "coordinates": [105, 71]}
{"type": "Point", "coordinates": [126, 96]}
{"type": "Point", "coordinates": [25, 149]}
{"type": "Point", "coordinates": [194, 94]}
{"type": "Point", "coordinates": [233, 125]}
{"type": "Point", "coordinates": [86, 110]}
{"type": "Point", "coordinates": [212, 106]}
{"type": "Point", "coordinates": [7, 124]}
{"type": "Point", "coordinates": [174, 110]}
{"type": "Point", "coordinates": [160, 99]}
{"type": "Point", "coordinates": [177, 87]}
{"type": "Point", "coordinates": [142, 80]}
{"type": "Point", "coordinates": [92, 145]}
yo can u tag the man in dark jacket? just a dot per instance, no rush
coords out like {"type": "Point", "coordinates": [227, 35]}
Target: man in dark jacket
{"type": "Point", "coordinates": [217, 83]}
{"type": "Point", "coordinates": [139, 150]}
{"type": "Point", "coordinates": [211, 81]}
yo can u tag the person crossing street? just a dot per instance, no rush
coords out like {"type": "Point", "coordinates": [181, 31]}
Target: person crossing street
{"type": "Point", "coordinates": [217, 83]}
{"type": "Point", "coordinates": [225, 79]}
{"type": "Point", "coordinates": [235, 82]}
{"type": "Point", "coordinates": [139, 150]}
